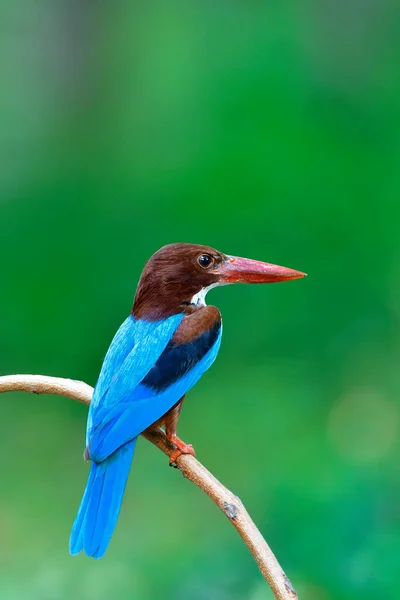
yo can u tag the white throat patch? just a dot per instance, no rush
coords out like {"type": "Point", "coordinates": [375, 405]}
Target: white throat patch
{"type": "Point", "coordinates": [199, 299]}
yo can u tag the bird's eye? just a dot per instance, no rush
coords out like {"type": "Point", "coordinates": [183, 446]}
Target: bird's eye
{"type": "Point", "coordinates": [205, 261]}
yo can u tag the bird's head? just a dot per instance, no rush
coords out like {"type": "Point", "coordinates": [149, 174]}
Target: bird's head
{"type": "Point", "coordinates": [181, 274]}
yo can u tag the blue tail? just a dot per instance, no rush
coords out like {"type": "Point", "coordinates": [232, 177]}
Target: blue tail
{"type": "Point", "coordinates": [99, 509]}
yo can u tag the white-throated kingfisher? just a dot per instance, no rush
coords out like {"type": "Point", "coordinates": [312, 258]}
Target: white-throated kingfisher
{"type": "Point", "coordinates": [162, 349]}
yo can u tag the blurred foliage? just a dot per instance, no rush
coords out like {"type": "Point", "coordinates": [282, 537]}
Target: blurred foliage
{"type": "Point", "coordinates": [269, 130]}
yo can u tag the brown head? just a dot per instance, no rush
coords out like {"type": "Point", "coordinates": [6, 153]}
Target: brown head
{"type": "Point", "coordinates": [179, 275]}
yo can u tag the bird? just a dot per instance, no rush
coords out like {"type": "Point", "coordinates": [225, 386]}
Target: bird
{"type": "Point", "coordinates": [168, 341]}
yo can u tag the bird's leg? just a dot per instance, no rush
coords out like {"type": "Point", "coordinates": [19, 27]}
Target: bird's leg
{"type": "Point", "coordinates": [171, 421]}
{"type": "Point", "coordinates": [181, 448]}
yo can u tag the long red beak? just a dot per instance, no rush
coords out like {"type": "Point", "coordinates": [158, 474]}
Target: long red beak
{"type": "Point", "coordinates": [245, 270]}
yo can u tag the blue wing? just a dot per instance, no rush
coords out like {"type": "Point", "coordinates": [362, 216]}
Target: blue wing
{"type": "Point", "coordinates": [135, 349]}
{"type": "Point", "coordinates": [178, 368]}
{"type": "Point", "coordinates": [146, 405]}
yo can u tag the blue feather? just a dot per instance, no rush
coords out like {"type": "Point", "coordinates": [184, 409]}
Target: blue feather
{"type": "Point", "coordinates": [101, 503]}
{"type": "Point", "coordinates": [136, 346]}
{"type": "Point", "coordinates": [147, 406]}
{"type": "Point", "coordinates": [127, 400]}
{"type": "Point", "coordinates": [126, 363]}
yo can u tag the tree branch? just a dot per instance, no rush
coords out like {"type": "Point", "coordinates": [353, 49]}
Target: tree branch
{"type": "Point", "coordinates": [191, 468]}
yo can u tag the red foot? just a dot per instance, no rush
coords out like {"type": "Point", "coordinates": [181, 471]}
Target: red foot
{"type": "Point", "coordinates": [181, 448]}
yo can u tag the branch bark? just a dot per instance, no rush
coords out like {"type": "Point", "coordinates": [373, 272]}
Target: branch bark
{"type": "Point", "coordinates": [190, 467]}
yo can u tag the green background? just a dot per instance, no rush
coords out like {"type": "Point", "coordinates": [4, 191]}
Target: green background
{"type": "Point", "coordinates": [268, 130]}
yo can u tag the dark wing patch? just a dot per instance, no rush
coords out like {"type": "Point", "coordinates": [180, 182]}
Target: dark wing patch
{"type": "Point", "coordinates": [177, 359]}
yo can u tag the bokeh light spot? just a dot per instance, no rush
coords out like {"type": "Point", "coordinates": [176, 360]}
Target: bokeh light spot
{"type": "Point", "coordinates": [363, 425]}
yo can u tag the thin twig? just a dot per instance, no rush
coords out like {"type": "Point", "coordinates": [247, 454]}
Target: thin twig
{"type": "Point", "coordinates": [191, 468]}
